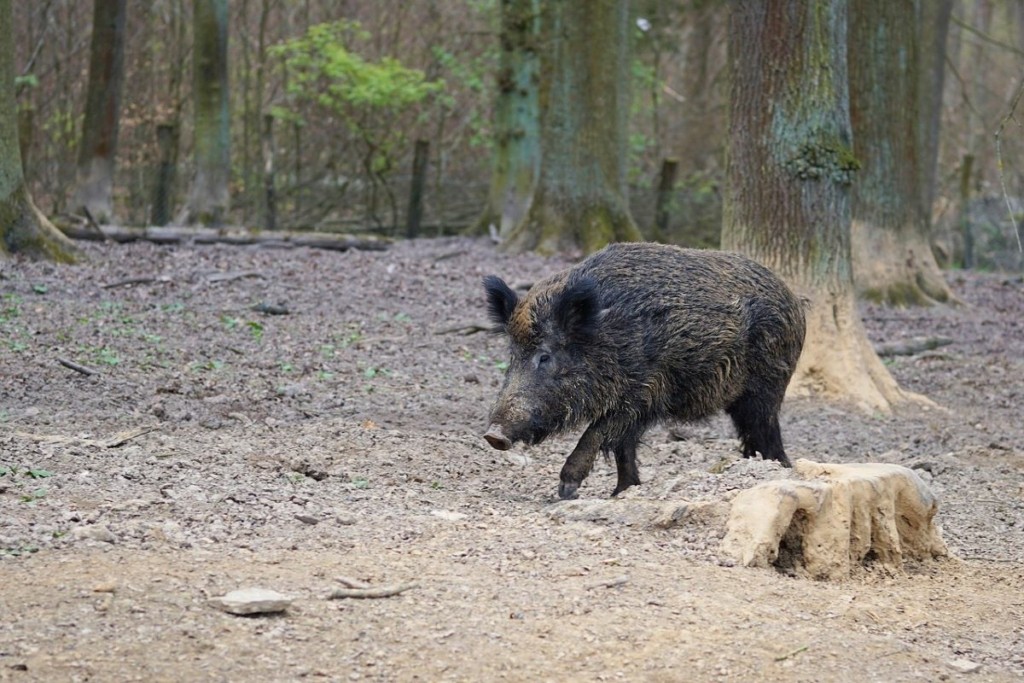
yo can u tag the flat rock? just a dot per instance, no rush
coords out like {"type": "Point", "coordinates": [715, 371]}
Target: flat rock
{"type": "Point", "coordinates": [964, 666]}
{"type": "Point", "coordinates": [252, 601]}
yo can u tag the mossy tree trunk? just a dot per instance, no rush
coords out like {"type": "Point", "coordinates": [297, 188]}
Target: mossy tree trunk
{"type": "Point", "coordinates": [892, 256]}
{"type": "Point", "coordinates": [208, 199]}
{"type": "Point", "coordinates": [789, 169]}
{"type": "Point", "coordinates": [23, 228]}
{"type": "Point", "coordinates": [516, 119]}
{"type": "Point", "coordinates": [580, 200]}
{"type": "Point", "coordinates": [94, 180]}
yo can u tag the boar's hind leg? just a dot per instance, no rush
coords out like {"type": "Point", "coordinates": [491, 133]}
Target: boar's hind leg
{"type": "Point", "coordinates": [756, 416]}
{"type": "Point", "coordinates": [625, 463]}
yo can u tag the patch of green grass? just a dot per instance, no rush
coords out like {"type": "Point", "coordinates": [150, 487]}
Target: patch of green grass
{"type": "Point", "coordinates": [40, 289]}
{"type": "Point", "coordinates": [211, 365]}
{"type": "Point", "coordinates": [107, 356]}
{"type": "Point", "coordinates": [10, 307]}
{"type": "Point", "coordinates": [33, 496]}
{"type": "Point", "coordinates": [255, 329]}
{"type": "Point", "coordinates": [360, 483]}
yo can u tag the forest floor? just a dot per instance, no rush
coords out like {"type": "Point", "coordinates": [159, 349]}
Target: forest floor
{"type": "Point", "coordinates": [219, 447]}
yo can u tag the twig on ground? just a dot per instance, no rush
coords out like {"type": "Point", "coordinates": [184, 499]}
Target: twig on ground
{"type": "Point", "coordinates": [138, 280]}
{"type": "Point", "coordinates": [466, 330]}
{"type": "Point", "coordinates": [609, 583]}
{"type": "Point", "coordinates": [369, 593]}
{"type": "Point", "coordinates": [232, 275]}
{"type": "Point", "coordinates": [352, 583]}
{"type": "Point", "coordinates": [782, 658]}
{"type": "Point", "coordinates": [72, 365]}
{"type": "Point", "coordinates": [450, 254]}
{"type": "Point", "coordinates": [124, 437]}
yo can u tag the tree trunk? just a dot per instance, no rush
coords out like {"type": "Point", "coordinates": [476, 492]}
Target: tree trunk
{"type": "Point", "coordinates": [933, 22]}
{"type": "Point", "coordinates": [23, 228]}
{"type": "Point", "coordinates": [414, 215]}
{"type": "Point", "coordinates": [580, 200]}
{"type": "Point", "coordinates": [208, 199]}
{"type": "Point", "coordinates": [94, 179]}
{"type": "Point", "coordinates": [892, 256]}
{"type": "Point", "coordinates": [516, 120]}
{"type": "Point", "coordinates": [790, 165]}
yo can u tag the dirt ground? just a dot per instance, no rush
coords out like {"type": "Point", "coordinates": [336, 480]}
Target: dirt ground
{"type": "Point", "coordinates": [219, 447]}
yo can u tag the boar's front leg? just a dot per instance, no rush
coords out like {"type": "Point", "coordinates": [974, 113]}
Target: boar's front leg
{"type": "Point", "coordinates": [606, 434]}
{"type": "Point", "coordinates": [577, 466]}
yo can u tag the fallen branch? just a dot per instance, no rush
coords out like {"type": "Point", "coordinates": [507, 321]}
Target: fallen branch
{"type": "Point", "coordinates": [368, 593]}
{"type": "Point", "coordinates": [182, 235]}
{"type": "Point", "coordinates": [72, 365]}
{"type": "Point", "coordinates": [138, 280]}
{"type": "Point", "coordinates": [909, 347]}
{"type": "Point", "coordinates": [232, 276]}
{"type": "Point", "coordinates": [271, 309]}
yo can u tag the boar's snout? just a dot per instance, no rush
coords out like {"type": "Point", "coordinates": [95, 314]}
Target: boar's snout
{"type": "Point", "coordinates": [496, 437]}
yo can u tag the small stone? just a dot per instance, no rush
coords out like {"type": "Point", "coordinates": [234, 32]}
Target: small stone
{"type": "Point", "coordinates": [308, 519]}
{"type": "Point", "coordinates": [252, 601]}
{"type": "Point", "coordinates": [93, 533]}
{"type": "Point", "coordinates": [520, 459]}
{"type": "Point", "coordinates": [448, 515]}
{"type": "Point", "coordinates": [344, 519]}
{"type": "Point", "coordinates": [964, 666]}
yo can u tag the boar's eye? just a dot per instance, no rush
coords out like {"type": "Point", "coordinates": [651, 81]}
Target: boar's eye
{"type": "Point", "coordinates": [543, 358]}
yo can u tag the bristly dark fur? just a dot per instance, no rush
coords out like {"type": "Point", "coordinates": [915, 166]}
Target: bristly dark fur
{"type": "Point", "coordinates": [501, 301]}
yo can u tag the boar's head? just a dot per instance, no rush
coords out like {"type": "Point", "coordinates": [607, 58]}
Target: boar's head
{"type": "Point", "coordinates": [549, 386]}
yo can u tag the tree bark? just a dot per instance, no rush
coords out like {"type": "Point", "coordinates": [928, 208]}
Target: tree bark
{"type": "Point", "coordinates": [516, 161]}
{"type": "Point", "coordinates": [94, 180]}
{"type": "Point", "coordinates": [892, 256]}
{"type": "Point", "coordinates": [23, 228]}
{"type": "Point", "coordinates": [789, 169]}
{"type": "Point", "coordinates": [580, 201]}
{"type": "Point", "coordinates": [208, 200]}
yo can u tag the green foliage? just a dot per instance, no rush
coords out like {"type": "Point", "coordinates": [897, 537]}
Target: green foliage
{"type": "Point", "coordinates": [323, 70]}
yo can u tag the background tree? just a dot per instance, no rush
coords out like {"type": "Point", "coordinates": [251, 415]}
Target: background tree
{"type": "Point", "coordinates": [94, 179]}
{"type": "Point", "coordinates": [892, 254]}
{"type": "Point", "coordinates": [209, 198]}
{"type": "Point", "coordinates": [23, 228]}
{"type": "Point", "coordinates": [516, 155]}
{"type": "Point", "coordinates": [789, 169]}
{"type": "Point", "coordinates": [580, 200]}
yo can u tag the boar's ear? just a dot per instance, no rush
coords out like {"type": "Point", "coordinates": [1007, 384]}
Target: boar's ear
{"type": "Point", "coordinates": [577, 309]}
{"type": "Point", "coordinates": [501, 300]}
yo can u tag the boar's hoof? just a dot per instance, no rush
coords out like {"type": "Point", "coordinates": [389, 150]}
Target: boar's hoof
{"type": "Point", "coordinates": [567, 490]}
{"type": "Point", "coordinates": [497, 438]}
